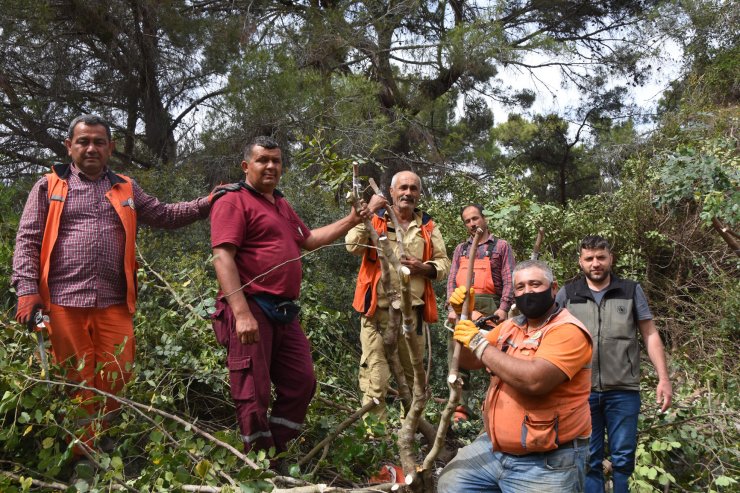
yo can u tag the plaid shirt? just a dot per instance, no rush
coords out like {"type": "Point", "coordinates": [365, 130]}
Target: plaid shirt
{"type": "Point", "coordinates": [86, 267]}
{"type": "Point", "coordinates": [502, 265]}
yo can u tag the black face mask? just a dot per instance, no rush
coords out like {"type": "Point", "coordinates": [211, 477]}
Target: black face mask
{"type": "Point", "coordinates": [535, 305]}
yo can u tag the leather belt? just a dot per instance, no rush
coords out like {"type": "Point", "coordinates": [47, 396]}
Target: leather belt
{"type": "Point", "coordinates": [575, 443]}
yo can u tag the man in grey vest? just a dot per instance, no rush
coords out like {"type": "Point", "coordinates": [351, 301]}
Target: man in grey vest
{"type": "Point", "coordinates": [613, 310]}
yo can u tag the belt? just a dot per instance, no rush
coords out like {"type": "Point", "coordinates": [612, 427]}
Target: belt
{"type": "Point", "coordinates": [575, 443]}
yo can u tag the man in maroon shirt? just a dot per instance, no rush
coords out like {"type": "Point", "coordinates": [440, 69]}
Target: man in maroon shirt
{"type": "Point", "coordinates": [75, 257]}
{"type": "Point", "coordinates": [257, 240]}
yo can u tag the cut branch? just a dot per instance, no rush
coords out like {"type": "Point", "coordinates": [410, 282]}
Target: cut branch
{"type": "Point", "coordinates": [453, 380]}
{"type": "Point", "coordinates": [342, 426]}
{"type": "Point", "coordinates": [726, 235]}
{"type": "Point", "coordinates": [143, 408]}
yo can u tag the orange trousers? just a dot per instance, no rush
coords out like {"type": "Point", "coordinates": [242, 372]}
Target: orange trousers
{"type": "Point", "coordinates": [94, 346]}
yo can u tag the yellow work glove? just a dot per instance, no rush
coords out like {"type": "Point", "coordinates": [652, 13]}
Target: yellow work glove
{"type": "Point", "coordinates": [471, 337]}
{"type": "Point", "coordinates": [457, 298]}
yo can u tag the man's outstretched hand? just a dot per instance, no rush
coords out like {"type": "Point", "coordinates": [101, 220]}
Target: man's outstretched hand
{"type": "Point", "coordinates": [221, 190]}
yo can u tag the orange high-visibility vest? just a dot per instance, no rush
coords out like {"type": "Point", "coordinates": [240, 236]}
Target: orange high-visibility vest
{"type": "Point", "coordinates": [366, 293]}
{"type": "Point", "coordinates": [121, 197]}
{"type": "Point", "coordinates": [518, 423]}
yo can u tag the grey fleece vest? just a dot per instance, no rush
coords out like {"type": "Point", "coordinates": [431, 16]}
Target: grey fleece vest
{"type": "Point", "coordinates": [614, 328]}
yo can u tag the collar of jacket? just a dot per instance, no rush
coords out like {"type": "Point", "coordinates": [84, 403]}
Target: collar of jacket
{"type": "Point", "coordinates": [63, 170]}
{"type": "Point", "coordinates": [616, 284]}
{"type": "Point", "coordinates": [249, 187]}
{"type": "Point", "coordinates": [425, 218]}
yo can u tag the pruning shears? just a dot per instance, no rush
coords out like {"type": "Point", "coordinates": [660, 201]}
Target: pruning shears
{"type": "Point", "coordinates": [480, 323]}
{"type": "Point", "coordinates": [37, 323]}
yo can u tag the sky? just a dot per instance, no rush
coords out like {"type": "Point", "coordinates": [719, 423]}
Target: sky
{"type": "Point", "coordinates": [552, 97]}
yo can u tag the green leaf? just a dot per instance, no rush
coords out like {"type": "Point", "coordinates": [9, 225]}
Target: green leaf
{"type": "Point", "coordinates": [28, 401]}
{"type": "Point", "coordinates": [202, 468]}
{"type": "Point", "coordinates": [81, 486]}
{"type": "Point", "coordinates": [26, 483]}
{"type": "Point", "coordinates": [181, 475]}
{"type": "Point", "coordinates": [48, 442]}
{"type": "Point", "coordinates": [156, 436]}
{"type": "Point", "coordinates": [724, 481]}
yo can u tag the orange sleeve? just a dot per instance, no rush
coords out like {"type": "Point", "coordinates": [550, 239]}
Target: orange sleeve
{"type": "Point", "coordinates": [566, 347]}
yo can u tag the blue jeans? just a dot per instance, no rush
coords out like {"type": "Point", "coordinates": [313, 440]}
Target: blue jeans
{"type": "Point", "coordinates": [478, 468]}
{"type": "Point", "coordinates": [616, 411]}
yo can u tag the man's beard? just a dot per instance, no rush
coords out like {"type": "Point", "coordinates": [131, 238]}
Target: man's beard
{"type": "Point", "coordinates": [597, 277]}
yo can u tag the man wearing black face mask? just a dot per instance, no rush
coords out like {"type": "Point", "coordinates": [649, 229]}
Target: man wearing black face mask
{"type": "Point", "coordinates": [536, 412]}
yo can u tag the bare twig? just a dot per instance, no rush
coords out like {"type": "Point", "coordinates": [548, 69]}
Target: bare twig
{"type": "Point", "coordinates": [734, 417]}
{"type": "Point", "coordinates": [310, 488]}
{"type": "Point", "coordinates": [53, 485]}
{"type": "Point", "coordinates": [259, 276]}
{"type": "Point", "coordinates": [414, 417]}
{"type": "Point", "coordinates": [167, 285]}
{"type": "Point", "coordinates": [333, 404]}
{"type": "Point", "coordinates": [142, 408]}
{"type": "Point", "coordinates": [342, 426]}
{"type": "Point", "coordinates": [90, 454]}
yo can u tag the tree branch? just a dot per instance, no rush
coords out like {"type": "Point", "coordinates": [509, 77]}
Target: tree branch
{"type": "Point", "coordinates": [727, 234]}
{"type": "Point", "coordinates": [141, 408]}
{"type": "Point", "coordinates": [342, 426]}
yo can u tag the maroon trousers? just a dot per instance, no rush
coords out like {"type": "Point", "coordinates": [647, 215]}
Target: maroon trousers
{"type": "Point", "coordinates": [282, 357]}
